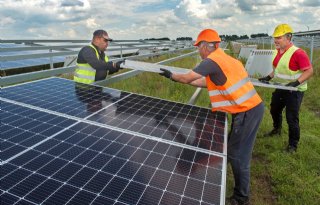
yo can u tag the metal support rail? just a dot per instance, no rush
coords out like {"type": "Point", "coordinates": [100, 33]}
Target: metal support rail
{"type": "Point", "coordinates": [8, 80]}
{"type": "Point", "coordinates": [155, 68]}
{"type": "Point", "coordinates": [5, 58]}
{"type": "Point", "coordinates": [132, 73]}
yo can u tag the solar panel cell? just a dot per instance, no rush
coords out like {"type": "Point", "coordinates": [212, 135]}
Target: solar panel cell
{"type": "Point", "coordinates": [43, 191]}
{"type": "Point", "coordinates": [62, 195]}
{"type": "Point", "coordinates": [27, 185]}
{"type": "Point", "coordinates": [7, 198]}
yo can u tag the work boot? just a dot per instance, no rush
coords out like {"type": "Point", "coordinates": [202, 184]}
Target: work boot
{"type": "Point", "coordinates": [234, 201]}
{"type": "Point", "coordinates": [291, 149]}
{"type": "Point", "coordinates": [274, 132]}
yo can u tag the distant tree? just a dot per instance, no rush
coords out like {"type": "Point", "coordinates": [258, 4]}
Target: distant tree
{"type": "Point", "coordinates": [229, 37]}
{"type": "Point", "coordinates": [259, 35]}
{"type": "Point", "coordinates": [244, 37]}
{"type": "Point", "coordinates": [158, 39]}
{"type": "Point", "coordinates": [184, 39]}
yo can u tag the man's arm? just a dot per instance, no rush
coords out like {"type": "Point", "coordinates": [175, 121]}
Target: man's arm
{"type": "Point", "coordinates": [191, 78]}
{"type": "Point", "coordinates": [201, 82]}
{"type": "Point", "coordinates": [300, 61]}
{"type": "Point", "coordinates": [196, 77]}
{"type": "Point", "coordinates": [88, 55]}
{"type": "Point", "coordinates": [306, 74]}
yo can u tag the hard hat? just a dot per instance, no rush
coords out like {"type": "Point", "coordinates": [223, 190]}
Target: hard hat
{"type": "Point", "coordinates": [281, 30]}
{"type": "Point", "coordinates": [208, 35]}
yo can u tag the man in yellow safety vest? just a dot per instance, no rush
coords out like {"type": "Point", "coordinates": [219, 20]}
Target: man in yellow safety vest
{"type": "Point", "coordinates": [92, 63]}
{"type": "Point", "coordinates": [291, 65]}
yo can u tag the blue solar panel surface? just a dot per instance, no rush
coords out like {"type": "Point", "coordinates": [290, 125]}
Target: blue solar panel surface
{"type": "Point", "coordinates": [22, 127]}
{"type": "Point", "coordinates": [82, 159]}
{"type": "Point", "coordinates": [170, 121]}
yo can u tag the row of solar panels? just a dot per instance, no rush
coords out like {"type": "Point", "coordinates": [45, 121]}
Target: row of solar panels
{"type": "Point", "coordinates": [68, 143]}
{"type": "Point", "coordinates": [300, 41]}
{"type": "Point", "coordinates": [26, 54]}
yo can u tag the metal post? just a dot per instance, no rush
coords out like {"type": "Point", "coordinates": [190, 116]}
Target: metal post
{"type": "Point", "coordinates": [51, 60]}
{"type": "Point", "coordinates": [311, 49]}
{"type": "Point", "coordinates": [195, 96]}
{"type": "Point", "coordinates": [121, 51]}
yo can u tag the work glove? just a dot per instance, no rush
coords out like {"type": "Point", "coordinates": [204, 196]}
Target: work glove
{"type": "Point", "coordinates": [265, 79]}
{"type": "Point", "coordinates": [293, 84]}
{"type": "Point", "coordinates": [166, 73]}
{"type": "Point", "coordinates": [117, 64]}
{"type": "Point", "coordinates": [111, 67]}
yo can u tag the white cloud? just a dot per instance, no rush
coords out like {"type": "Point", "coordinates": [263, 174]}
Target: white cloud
{"type": "Point", "coordinates": [91, 23]}
{"type": "Point", "coordinates": [6, 20]}
{"type": "Point", "coordinates": [61, 19]}
{"type": "Point", "coordinates": [190, 9]}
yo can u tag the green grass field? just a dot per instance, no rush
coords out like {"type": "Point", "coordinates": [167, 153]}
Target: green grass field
{"type": "Point", "coordinates": [277, 177]}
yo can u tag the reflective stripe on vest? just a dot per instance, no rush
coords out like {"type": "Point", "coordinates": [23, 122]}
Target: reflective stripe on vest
{"type": "Point", "coordinates": [84, 73]}
{"type": "Point", "coordinates": [238, 101]}
{"type": "Point", "coordinates": [282, 72]}
{"type": "Point", "coordinates": [237, 94]}
{"type": "Point", "coordinates": [230, 89]}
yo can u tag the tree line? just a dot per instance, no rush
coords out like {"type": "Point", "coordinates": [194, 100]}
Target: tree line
{"type": "Point", "coordinates": [223, 37]}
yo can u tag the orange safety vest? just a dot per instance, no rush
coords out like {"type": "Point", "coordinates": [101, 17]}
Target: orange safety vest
{"type": "Point", "coordinates": [237, 94]}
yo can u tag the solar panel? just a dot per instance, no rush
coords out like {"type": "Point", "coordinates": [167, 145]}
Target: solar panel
{"type": "Point", "coordinates": [90, 159]}
{"type": "Point", "coordinates": [170, 121]}
{"type": "Point", "coordinates": [22, 128]}
{"type": "Point", "coordinates": [63, 96]}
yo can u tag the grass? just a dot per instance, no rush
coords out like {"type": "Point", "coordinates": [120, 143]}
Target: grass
{"type": "Point", "coordinates": [276, 177]}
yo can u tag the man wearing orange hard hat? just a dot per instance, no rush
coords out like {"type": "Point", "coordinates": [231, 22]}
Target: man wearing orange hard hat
{"type": "Point", "coordinates": [230, 91]}
{"type": "Point", "coordinates": [291, 66]}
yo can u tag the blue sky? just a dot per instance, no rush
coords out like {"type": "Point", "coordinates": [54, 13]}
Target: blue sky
{"type": "Point", "coordinates": [123, 19]}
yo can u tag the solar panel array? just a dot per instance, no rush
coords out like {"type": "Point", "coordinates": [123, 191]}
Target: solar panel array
{"type": "Point", "coordinates": [25, 62]}
{"type": "Point", "coordinates": [66, 143]}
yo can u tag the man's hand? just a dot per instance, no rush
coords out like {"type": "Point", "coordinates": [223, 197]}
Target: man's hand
{"type": "Point", "coordinates": [117, 64]}
{"type": "Point", "coordinates": [166, 73]}
{"type": "Point", "coordinates": [111, 68]}
{"type": "Point", "coordinates": [265, 79]}
{"type": "Point", "coordinates": [293, 84]}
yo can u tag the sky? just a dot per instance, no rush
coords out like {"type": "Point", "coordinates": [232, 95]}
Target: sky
{"type": "Point", "coordinates": [140, 19]}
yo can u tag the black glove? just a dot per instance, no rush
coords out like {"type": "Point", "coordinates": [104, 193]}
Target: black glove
{"type": "Point", "coordinates": [265, 79]}
{"type": "Point", "coordinates": [111, 68]}
{"type": "Point", "coordinates": [166, 73]}
{"type": "Point", "coordinates": [293, 84]}
{"type": "Point", "coordinates": [117, 64]}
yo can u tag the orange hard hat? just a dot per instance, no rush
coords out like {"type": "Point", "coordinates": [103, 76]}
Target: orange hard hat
{"type": "Point", "coordinates": [208, 35]}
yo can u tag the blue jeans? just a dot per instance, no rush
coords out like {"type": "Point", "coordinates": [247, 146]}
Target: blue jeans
{"type": "Point", "coordinates": [244, 128]}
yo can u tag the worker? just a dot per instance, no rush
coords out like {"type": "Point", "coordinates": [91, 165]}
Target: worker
{"type": "Point", "coordinates": [291, 66]}
{"type": "Point", "coordinates": [92, 63]}
{"type": "Point", "coordinates": [230, 91]}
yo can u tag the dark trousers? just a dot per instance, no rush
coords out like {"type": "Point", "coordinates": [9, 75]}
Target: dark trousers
{"type": "Point", "coordinates": [291, 100]}
{"type": "Point", "coordinates": [241, 139]}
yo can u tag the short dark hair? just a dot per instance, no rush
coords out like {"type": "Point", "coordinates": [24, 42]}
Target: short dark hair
{"type": "Point", "coordinates": [99, 33]}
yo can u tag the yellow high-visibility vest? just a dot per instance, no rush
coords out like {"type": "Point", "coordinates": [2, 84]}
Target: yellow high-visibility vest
{"type": "Point", "coordinates": [282, 72]}
{"type": "Point", "coordinates": [84, 73]}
